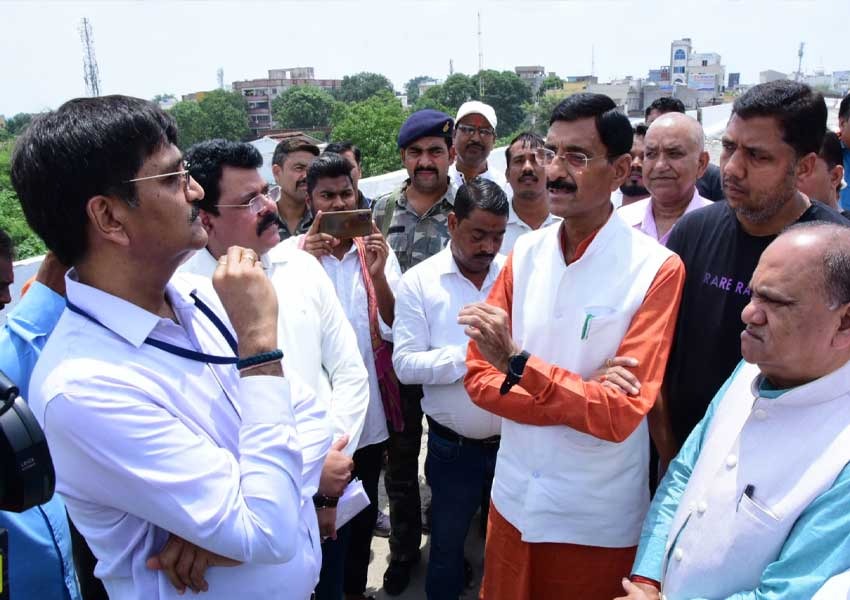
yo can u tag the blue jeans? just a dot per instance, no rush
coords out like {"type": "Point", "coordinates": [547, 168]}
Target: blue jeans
{"type": "Point", "coordinates": [459, 473]}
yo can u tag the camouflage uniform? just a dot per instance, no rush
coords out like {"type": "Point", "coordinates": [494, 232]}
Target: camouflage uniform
{"type": "Point", "coordinates": [302, 227]}
{"type": "Point", "coordinates": [414, 238]}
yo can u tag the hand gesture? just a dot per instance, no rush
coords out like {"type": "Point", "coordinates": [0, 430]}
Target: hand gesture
{"type": "Point", "coordinates": [615, 374]}
{"type": "Point", "coordinates": [377, 252]}
{"type": "Point", "coordinates": [490, 328]}
{"type": "Point", "coordinates": [638, 591]}
{"type": "Point", "coordinates": [185, 564]}
{"type": "Point", "coordinates": [336, 472]}
{"type": "Point", "coordinates": [249, 300]}
{"type": "Point", "coordinates": [318, 244]}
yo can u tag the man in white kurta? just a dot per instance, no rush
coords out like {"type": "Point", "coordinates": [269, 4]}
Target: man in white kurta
{"type": "Point", "coordinates": [755, 503]}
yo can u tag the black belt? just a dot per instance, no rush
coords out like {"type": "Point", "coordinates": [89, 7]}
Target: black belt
{"type": "Point", "coordinates": [446, 433]}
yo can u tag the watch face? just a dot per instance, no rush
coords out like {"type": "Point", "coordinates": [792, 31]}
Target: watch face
{"type": "Point", "coordinates": [516, 364]}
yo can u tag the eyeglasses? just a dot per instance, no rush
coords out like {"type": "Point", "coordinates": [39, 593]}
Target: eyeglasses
{"type": "Point", "coordinates": [257, 203]}
{"type": "Point", "coordinates": [469, 131]}
{"type": "Point", "coordinates": [577, 160]}
{"type": "Point", "coordinates": [184, 174]}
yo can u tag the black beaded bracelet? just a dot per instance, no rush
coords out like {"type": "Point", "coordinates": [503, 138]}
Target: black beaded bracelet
{"type": "Point", "coordinates": [262, 357]}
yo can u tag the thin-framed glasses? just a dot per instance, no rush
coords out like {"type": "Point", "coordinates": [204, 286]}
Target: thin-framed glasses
{"type": "Point", "coordinates": [577, 160]}
{"type": "Point", "coordinates": [469, 130]}
{"type": "Point", "coordinates": [184, 174]}
{"type": "Point", "coordinates": [257, 203]}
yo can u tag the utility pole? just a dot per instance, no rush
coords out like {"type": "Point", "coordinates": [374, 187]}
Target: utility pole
{"type": "Point", "coordinates": [451, 67]}
{"type": "Point", "coordinates": [480, 59]}
{"type": "Point", "coordinates": [91, 74]}
{"type": "Point", "coordinates": [592, 60]}
{"type": "Point", "coordinates": [799, 62]}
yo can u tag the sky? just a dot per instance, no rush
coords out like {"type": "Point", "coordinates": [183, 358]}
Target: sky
{"type": "Point", "coordinates": [157, 46]}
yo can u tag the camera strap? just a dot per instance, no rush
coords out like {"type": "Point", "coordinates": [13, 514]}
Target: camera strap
{"type": "Point", "coordinates": [177, 350]}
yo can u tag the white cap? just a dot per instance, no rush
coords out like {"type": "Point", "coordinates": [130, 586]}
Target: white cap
{"type": "Point", "coordinates": [474, 107]}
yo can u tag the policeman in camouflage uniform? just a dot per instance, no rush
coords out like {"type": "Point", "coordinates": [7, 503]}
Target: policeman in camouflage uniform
{"type": "Point", "coordinates": [414, 220]}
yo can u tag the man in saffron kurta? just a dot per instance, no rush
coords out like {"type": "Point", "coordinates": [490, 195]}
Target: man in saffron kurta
{"type": "Point", "coordinates": [571, 484]}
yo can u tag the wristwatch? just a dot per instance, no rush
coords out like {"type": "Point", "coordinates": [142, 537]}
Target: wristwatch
{"type": "Point", "coordinates": [320, 501]}
{"type": "Point", "coordinates": [516, 365]}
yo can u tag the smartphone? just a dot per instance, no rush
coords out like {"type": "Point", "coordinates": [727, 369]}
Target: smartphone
{"type": "Point", "coordinates": [346, 224]}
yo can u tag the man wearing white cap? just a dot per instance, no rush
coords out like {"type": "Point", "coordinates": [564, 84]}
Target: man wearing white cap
{"type": "Point", "coordinates": [474, 136]}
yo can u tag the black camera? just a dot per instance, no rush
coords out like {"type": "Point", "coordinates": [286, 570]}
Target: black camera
{"type": "Point", "coordinates": [27, 477]}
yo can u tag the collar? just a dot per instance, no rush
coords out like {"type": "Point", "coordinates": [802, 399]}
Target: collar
{"type": "Point", "coordinates": [449, 196]}
{"type": "Point", "coordinates": [648, 226]}
{"type": "Point", "coordinates": [124, 318]}
{"type": "Point", "coordinates": [825, 389]}
{"type": "Point", "coordinates": [456, 175]}
{"type": "Point", "coordinates": [514, 218]}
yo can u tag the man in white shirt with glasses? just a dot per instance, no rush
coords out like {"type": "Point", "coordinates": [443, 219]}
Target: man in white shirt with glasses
{"type": "Point", "coordinates": [165, 417]}
{"type": "Point", "coordinates": [473, 140]}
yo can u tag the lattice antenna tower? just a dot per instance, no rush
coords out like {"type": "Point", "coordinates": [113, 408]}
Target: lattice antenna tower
{"type": "Point", "coordinates": [220, 75]}
{"type": "Point", "coordinates": [91, 74]}
{"type": "Point", "coordinates": [800, 61]}
{"type": "Point", "coordinates": [480, 59]}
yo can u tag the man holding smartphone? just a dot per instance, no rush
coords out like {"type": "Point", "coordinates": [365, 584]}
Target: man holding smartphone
{"type": "Point", "coordinates": [364, 271]}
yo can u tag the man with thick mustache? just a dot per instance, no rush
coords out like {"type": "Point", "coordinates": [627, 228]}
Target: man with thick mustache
{"type": "Point", "coordinates": [318, 342]}
{"type": "Point", "coordinates": [526, 173]}
{"type": "Point", "coordinates": [634, 189]}
{"type": "Point", "coordinates": [674, 159]}
{"type": "Point", "coordinates": [570, 489]}
{"type": "Point", "coordinates": [290, 161]}
{"type": "Point", "coordinates": [474, 137]}
{"type": "Point", "coordinates": [772, 140]}
{"type": "Point", "coordinates": [414, 221]}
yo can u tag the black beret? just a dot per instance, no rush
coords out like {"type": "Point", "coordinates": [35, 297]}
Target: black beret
{"type": "Point", "coordinates": [424, 123]}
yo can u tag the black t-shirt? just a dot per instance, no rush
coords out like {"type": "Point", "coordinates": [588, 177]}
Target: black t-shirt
{"type": "Point", "coordinates": [709, 185]}
{"type": "Point", "coordinates": [719, 258]}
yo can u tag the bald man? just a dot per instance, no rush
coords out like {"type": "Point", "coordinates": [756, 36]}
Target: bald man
{"type": "Point", "coordinates": [755, 503]}
{"type": "Point", "coordinates": [674, 158]}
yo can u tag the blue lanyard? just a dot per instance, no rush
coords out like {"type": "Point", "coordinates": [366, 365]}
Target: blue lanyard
{"type": "Point", "coordinates": [177, 350]}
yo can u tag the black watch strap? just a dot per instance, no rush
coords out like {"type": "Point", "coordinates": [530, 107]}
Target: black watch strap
{"type": "Point", "coordinates": [516, 366]}
{"type": "Point", "coordinates": [320, 501]}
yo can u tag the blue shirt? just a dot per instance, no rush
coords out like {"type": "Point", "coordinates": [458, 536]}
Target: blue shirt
{"type": "Point", "coordinates": [817, 547]}
{"type": "Point", "coordinates": [40, 560]}
{"type": "Point", "coordinates": [844, 197]}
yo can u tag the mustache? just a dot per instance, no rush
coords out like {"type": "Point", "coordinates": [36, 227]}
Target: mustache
{"type": "Point", "coordinates": [475, 144]}
{"type": "Point", "coordinates": [267, 221]}
{"type": "Point", "coordinates": [561, 184]}
{"type": "Point", "coordinates": [529, 176]}
{"type": "Point", "coordinates": [485, 256]}
{"type": "Point", "coordinates": [424, 170]}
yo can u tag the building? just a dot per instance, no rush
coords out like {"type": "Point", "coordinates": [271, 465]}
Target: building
{"type": "Point", "coordinates": [533, 76]}
{"type": "Point", "coordinates": [661, 75]}
{"type": "Point", "coordinates": [771, 75]}
{"type": "Point", "coordinates": [626, 94]}
{"type": "Point", "coordinates": [734, 81]}
{"type": "Point", "coordinates": [259, 93]}
{"type": "Point", "coordinates": [841, 81]}
{"type": "Point", "coordinates": [701, 71]}
{"type": "Point", "coordinates": [194, 96]}
{"type": "Point", "coordinates": [819, 80]}
{"type": "Point", "coordinates": [652, 92]}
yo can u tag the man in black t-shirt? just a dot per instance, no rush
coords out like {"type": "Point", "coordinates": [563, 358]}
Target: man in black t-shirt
{"type": "Point", "coordinates": [771, 139]}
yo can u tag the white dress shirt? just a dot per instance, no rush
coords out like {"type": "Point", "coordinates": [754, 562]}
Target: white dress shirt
{"type": "Point", "coordinates": [348, 282]}
{"type": "Point", "coordinates": [516, 227]}
{"type": "Point", "coordinates": [430, 345]}
{"type": "Point", "coordinates": [458, 179]}
{"type": "Point", "coordinates": [147, 443]}
{"type": "Point", "coordinates": [317, 340]}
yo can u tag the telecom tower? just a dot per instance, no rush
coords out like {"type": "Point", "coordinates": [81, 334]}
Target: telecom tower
{"type": "Point", "coordinates": [91, 74]}
{"type": "Point", "coordinates": [480, 59]}
{"type": "Point", "coordinates": [799, 62]}
{"type": "Point", "coordinates": [220, 76]}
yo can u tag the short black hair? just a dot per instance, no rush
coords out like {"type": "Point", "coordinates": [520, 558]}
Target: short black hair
{"type": "Point", "coordinates": [290, 145]}
{"type": "Point", "coordinates": [800, 111]}
{"type": "Point", "coordinates": [641, 129]}
{"type": "Point", "coordinates": [206, 160]}
{"type": "Point", "coordinates": [529, 139]}
{"type": "Point", "coordinates": [482, 194]}
{"type": "Point", "coordinates": [7, 250]}
{"type": "Point", "coordinates": [613, 127]}
{"type": "Point", "coordinates": [830, 150]}
{"type": "Point", "coordinates": [87, 147]}
{"type": "Point", "coordinates": [664, 105]}
{"type": "Point", "coordinates": [844, 108]}
{"type": "Point", "coordinates": [345, 146]}
{"type": "Point", "coordinates": [327, 165]}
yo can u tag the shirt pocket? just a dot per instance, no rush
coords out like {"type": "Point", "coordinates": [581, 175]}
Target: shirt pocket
{"type": "Point", "coordinates": [755, 513]}
{"type": "Point", "coordinates": [598, 321]}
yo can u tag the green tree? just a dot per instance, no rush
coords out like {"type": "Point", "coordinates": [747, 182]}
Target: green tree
{"type": "Point", "coordinates": [506, 93]}
{"type": "Point", "coordinates": [359, 87]}
{"type": "Point", "coordinates": [303, 107]}
{"type": "Point", "coordinates": [17, 124]}
{"type": "Point", "coordinates": [448, 96]}
{"type": "Point", "coordinates": [372, 125]}
{"type": "Point", "coordinates": [552, 82]}
{"type": "Point", "coordinates": [538, 114]}
{"type": "Point", "coordinates": [12, 219]}
{"type": "Point", "coordinates": [412, 87]}
{"type": "Point", "coordinates": [159, 98]}
{"type": "Point", "coordinates": [219, 114]}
